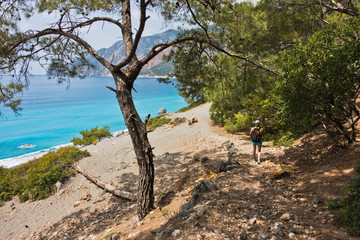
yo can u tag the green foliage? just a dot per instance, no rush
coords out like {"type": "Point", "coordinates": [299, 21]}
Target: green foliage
{"type": "Point", "coordinates": [177, 121]}
{"type": "Point", "coordinates": [109, 235]}
{"type": "Point", "coordinates": [8, 95]}
{"type": "Point", "coordinates": [156, 122]}
{"type": "Point", "coordinates": [92, 136]}
{"type": "Point", "coordinates": [284, 139]}
{"type": "Point", "coordinates": [160, 196]}
{"type": "Point", "coordinates": [165, 211]}
{"type": "Point", "coordinates": [191, 106]}
{"type": "Point", "coordinates": [241, 122]}
{"type": "Point", "coordinates": [36, 179]}
{"type": "Point", "coordinates": [320, 79]}
{"type": "Point", "coordinates": [349, 215]}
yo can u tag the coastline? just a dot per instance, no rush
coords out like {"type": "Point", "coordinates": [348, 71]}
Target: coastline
{"type": "Point", "coordinates": [113, 161]}
{"type": "Point", "coordinates": [44, 128]}
{"type": "Point", "coordinates": [18, 160]}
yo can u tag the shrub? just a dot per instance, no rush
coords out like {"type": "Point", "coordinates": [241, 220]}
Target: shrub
{"type": "Point", "coordinates": [92, 136]}
{"type": "Point", "coordinates": [284, 139]}
{"type": "Point", "coordinates": [156, 122]}
{"type": "Point", "coordinates": [240, 122]}
{"type": "Point", "coordinates": [349, 215]}
{"type": "Point", "coordinates": [191, 106]}
{"type": "Point", "coordinates": [36, 179]}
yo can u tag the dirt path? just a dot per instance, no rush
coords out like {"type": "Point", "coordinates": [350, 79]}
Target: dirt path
{"type": "Point", "coordinates": [249, 203]}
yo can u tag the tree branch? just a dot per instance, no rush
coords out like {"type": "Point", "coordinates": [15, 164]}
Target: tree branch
{"type": "Point", "coordinates": [96, 19]}
{"type": "Point", "coordinates": [106, 186]}
{"type": "Point", "coordinates": [51, 31]}
{"type": "Point", "coordinates": [143, 18]}
{"type": "Point", "coordinates": [161, 47]}
{"type": "Point", "coordinates": [336, 6]}
{"type": "Point", "coordinates": [259, 65]}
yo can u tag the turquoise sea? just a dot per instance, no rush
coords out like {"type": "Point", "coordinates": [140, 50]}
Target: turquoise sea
{"type": "Point", "coordinates": [55, 113]}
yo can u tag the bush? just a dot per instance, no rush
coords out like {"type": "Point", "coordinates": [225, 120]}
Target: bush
{"type": "Point", "coordinates": [92, 136]}
{"type": "Point", "coordinates": [156, 122]}
{"type": "Point", "coordinates": [36, 179]}
{"type": "Point", "coordinates": [240, 122]}
{"type": "Point", "coordinates": [349, 215]}
{"type": "Point", "coordinates": [191, 106]}
{"type": "Point", "coordinates": [284, 139]}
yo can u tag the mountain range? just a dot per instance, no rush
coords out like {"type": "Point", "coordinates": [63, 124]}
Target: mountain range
{"type": "Point", "coordinates": [156, 67]}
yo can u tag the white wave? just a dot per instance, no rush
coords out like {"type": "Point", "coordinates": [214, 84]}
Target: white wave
{"type": "Point", "coordinates": [15, 161]}
{"type": "Point", "coordinates": [27, 146]}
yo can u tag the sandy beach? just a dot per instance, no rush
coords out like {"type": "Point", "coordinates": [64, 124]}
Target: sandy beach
{"type": "Point", "coordinates": [113, 161]}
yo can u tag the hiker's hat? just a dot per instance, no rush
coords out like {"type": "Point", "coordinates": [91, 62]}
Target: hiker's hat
{"type": "Point", "coordinates": [257, 121]}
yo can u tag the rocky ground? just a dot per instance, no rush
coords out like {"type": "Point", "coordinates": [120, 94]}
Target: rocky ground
{"type": "Point", "coordinates": [211, 188]}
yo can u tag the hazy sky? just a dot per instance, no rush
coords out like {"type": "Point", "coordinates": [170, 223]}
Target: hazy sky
{"type": "Point", "coordinates": [101, 35]}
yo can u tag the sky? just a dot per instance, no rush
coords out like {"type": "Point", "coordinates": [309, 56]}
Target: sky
{"type": "Point", "coordinates": [101, 35]}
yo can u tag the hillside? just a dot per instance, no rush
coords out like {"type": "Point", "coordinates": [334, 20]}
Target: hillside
{"type": "Point", "coordinates": [116, 53]}
{"type": "Point", "coordinates": [239, 200]}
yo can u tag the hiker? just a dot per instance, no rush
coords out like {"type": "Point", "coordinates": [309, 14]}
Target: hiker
{"type": "Point", "coordinates": [257, 135]}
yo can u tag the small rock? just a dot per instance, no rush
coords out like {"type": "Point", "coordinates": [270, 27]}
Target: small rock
{"type": "Point", "coordinates": [210, 203]}
{"type": "Point", "coordinates": [273, 238]}
{"type": "Point", "coordinates": [264, 235]}
{"type": "Point", "coordinates": [176, 233]}
{"type": "Point", "coordinates": [278, 226]}
{"type": "Point", "coordinates": [77, 203]}
{"type": "Point", "coordinates": [316, 200]}
{"type": "Point", "coordinates": [281, 233]}
{"type": "Point", "coordinates": [243, 236]}
{"type": "Point", "coordinates": [252, 221]}
{"type": "Point", "coordinates": [295, 190]}
{"type": "Point", "coordinates": [58, 186]}
{"type": "Point", "coordinates": [198, 208]}
{"type": "Point", "coordinates": [134, 234]}
{"type": "Point", "coordinates": [86, 197]}
{"type": "Point", "coordinates": [208, 196]}
{"type": "Point", "coordinates": [285, 217]}
{"type": "Point", "coordinates": [229, 168]}
{"type": "Point", "coordinates": [232, 152]}
{"type": "Point", "coordinates": [292, 235]}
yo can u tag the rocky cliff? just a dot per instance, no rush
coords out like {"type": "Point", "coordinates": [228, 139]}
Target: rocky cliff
{"type": "Point", "coordinates": [116, 53]}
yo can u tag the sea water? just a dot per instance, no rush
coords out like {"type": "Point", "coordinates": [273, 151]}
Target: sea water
{"type": "Point", "coordinates": [54, 113]}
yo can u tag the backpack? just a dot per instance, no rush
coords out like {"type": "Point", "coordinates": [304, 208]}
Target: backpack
{"type": "Point", "coordinates": [256, 135]}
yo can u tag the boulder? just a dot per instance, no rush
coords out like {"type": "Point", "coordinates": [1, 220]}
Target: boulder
{"type": "Point", "coordinates": [222, 165]}
{"type": "Point", "coordinates": [192, 121]}
{"type": "Point", "coordinates": [162, 111]}
{"type": "Point", "coordinates": [206, 186]}
{"type": "Point", "coordinates": [227, 145]}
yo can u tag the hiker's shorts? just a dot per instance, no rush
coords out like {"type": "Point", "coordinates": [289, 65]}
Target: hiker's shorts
{"type": "Point", "coordinates": [257, 143]}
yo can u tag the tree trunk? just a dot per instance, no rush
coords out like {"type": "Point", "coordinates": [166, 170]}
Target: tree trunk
{"type": "Point", "coordinates": [142, 147]}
